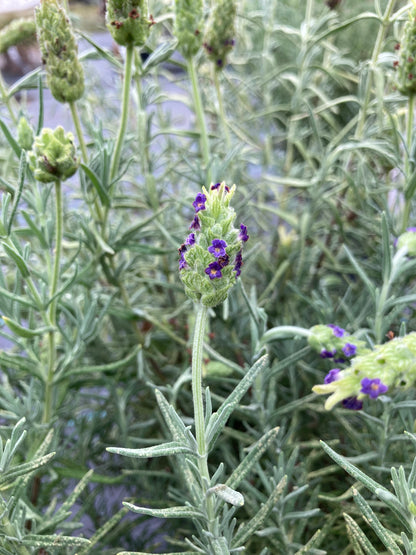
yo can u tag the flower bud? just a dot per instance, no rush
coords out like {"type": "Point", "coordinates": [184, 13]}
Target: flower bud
{"type": "Point", "coordinates": [408, 240]}
{"type": "Point", "coordinates": [211, 257]}
{"type": "Point", "coordinates": [219, 37]}
{"type": "Point", "coordinates": [371, 374]}
{"type": "Point", "coordinates": [406, 65]}
{"type": "Point", "coordinates": [59, 52]}
{"type": "Point", "coordinates": [53, 156]}
{"type": "Point", "coordinates": [18, 31]}
{"type": "Point", "coordinates": [188, 24]}
{"type": "Point", "coordinates": [331, 341]}
{"type": "Point", "coordinates": [25, 134]}
{"type": "Point", "coordinates": [128, 21]}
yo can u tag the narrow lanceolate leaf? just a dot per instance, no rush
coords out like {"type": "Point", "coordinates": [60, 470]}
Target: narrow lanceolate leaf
{"type": "Point", "coordinates": [35, 540]}
{"type": "Point", "coordinates": [247, 464]}
{"type": "Point", "coordinates": [357, 538]}
{"type": "Point", "coordinates": [170, 512]}
{"type": "Point", "coordinates": [163, 450]}
{"type": "Point", "coordinates": [227, 494]}
{"type": "Point", "coordinates": [382, 493]}
{"type": "Point", "coordinates": [25, 468]}
{"type": "Point", "coordinates": [219, 419]}
{"type": "Point", "coordinates": [21, 331]}
{"type": "Point", "coordinates": [17, 259]}
{"type": "Point", "coordinates": [248, 529]}
{"type": "Point", "coordinates": [176, 426]}
{"type": "Point", "coordinates": [103, 531]}
{"type": "Point", "coordinates": [372, 520]}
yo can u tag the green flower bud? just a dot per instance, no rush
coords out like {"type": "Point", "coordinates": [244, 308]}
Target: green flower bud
{"type": "Point", "coordinates": [25, 134]}
{"type": "Point", "coordinates": [128, 21]}
{"type": "Point", "coordinates": [219, 37]}
{"type": "Point", "coordinates": [408, 240]}
{"type": "Point", "coordinates": [406, 65]}
{"type": "Point", "coordinates": [331, 341]}
{"type": "Point", "coordinates": [391, 365]}
{"type": "Point", "coordinates": [18, 31]}
{"type": "Point", "coordinates": [187, 28]}
{"type": "Point", "coordinates": [59, 52]}
{"type": "Point", "coordinates": [211, 259]}
{"type": "Point", "coordinates": [53, 156]}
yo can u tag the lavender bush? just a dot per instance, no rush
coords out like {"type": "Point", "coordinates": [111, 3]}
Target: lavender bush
{"type": "Point", "coordinates": [206, 290]}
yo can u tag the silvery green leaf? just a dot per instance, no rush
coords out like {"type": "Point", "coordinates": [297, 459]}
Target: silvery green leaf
{"type": "Point", "coordinates": [250, 460]}
{"type": "Point", "coordinates": [357, 538]}
{"type": "Point", "coordinates": [165, 449]}
{"type": "Point", "coordinates": [35, 540]}
{"type": "Point", "coordinates": [383, 534]}
{"type": "Point", "coordinates": [246, 530]}
{"type": "Point", "coordinates": [219, 418]}
{"type": "Point", "coordinates": [227, 494]}
{"type": "Point", "coordinates": [170, 512]}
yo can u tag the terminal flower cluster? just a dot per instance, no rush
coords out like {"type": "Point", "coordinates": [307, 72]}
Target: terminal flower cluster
{"type": "Point", "coordinates": [371, 373]}
{"type": "Point", "coordinates": [406, 64]}
{"type": "Point", "coordinates": [210, 259]}
{"type": "Point", "coordinates": [333, 342]}
{"type": "Point", "coordinates": [219, 36]}
{"type": "Point", "coordinates": [128, 21]}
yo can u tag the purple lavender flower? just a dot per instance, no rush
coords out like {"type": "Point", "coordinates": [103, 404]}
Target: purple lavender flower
{"type": "Point", "coordinates": [190, 240]}
{"type": "Point", "coordinates": [332, 375]}
{"type": "Point", "coordinates": [199, 202]}
{"type": "Point", "coordinates": [216, 186]}
{"type": "Point", "coordinates": [213, 270]}
{"type": "Point", "coordinates": [182, 262]}
{"type": "Point", "coordinates": [243, 233]}
{"type": "Point", "coordinates": [327, 354]}
{"type": "Point", "coordinates": [352, 403]}
{"type": "Point", "coordinates": [337, 331]}
{"type": "Point", "coordinates": [373, 387]}
{"type": "Point", "coordinates": [349, 349]}
{"type": "Point", "coordinates": [411, 229]}
{"type": "Point", "coordinates": [217, 248]}
{"type": "Point", "coordinates": [238, 263]}
{"type": "Point", "coordinates": [195, 224]}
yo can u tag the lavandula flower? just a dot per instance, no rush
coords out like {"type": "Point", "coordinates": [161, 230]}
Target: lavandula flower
{"type": "Point", "coordinates": [406, 64]}
{"type": "Point", "coordinates": [373, 373]}
{"type": "Point", "coordinates": [188, 26]}
{"type": "Point", "coordinates": [219, 37]}
{"type": "Point", "coordinates": [332, 341]}
{"type": "Point", "coordinates": [59, 49]}
{"type": "Point", "coordinates": [211, 258]}
{"type": "Point", "coordinates": [128, 21]}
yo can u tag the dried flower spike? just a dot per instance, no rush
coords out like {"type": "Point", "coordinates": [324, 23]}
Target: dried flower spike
{"type": "Point", "coordinates": [128, 21]}
{"type": "Point", "coordinates": [59, 52]}
{"type": "Point", "coordinates": [210, 260]}
{"type": "Point", "coordinates": [406, 68]}
{"type": "Point", "coordinates": [53, 157]}
{"type": "Point", "coordinates": [388, 366]}
{"type": "Point", "coordinates": [219, 37]}
{"type": "Point", "coordinates": [188, 25]}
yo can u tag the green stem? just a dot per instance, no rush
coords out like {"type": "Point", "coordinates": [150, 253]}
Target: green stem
{"type": "Point", "coordinates": [407, 173]}
{"type": "Point", "coordinates": [198, 402]}
{"type": "Point", "coordinates": [200, 116]}
{"type": "Point", "coordinates": [128, 64]}
{"type": "Point", "coordinates": [47, 414]}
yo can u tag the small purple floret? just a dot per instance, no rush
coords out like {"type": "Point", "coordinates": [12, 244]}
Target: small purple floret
{"type": "Point", "coordinates": [217, 248]}
{"type": "Point", "coordinates": [411, 229]}
{"type": "Point", "coordinates": [223, 260]}
{"type": "Point", "coordinates": [349, 349]}
{"type": "Point", "coordinates": [199, 202]}
{"type": "Point", "coordinates": [352, 403]}
{"type": "Point", "coordinates": [213, 270]}
{"type": "Point", "coordinates": [238, 263]}
{"type": "Point", "coordinates": [327, 354]}
{"type": "Point", "coordinates": [373, 387]}
{"type": "Point", "coordinates": [216, 186]}
{"type": "Point", "coordinates": [243, 233]}
{"type": "Point", "coordinates": [332, 375]}
{"type": "Point", "coordinates": [190, 240]}
{"type": "Point", "coordinates": [195, 224]}
{"type": "Point", "coordinates": [336, 330]}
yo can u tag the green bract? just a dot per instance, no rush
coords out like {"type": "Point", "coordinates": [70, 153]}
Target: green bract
{"type": "Point", "coordinates": [406, 67]}
{"type": "Point", "coordinates": [53, 156]}
{"type": "Point", "coordinates": [128, 21]}
{"type": "Point", "coordinates": [188, 23]}
{"type": "Point", "coordinates": [59, 52]}
{"type": "Point", "coordinates": [219, 37]}
{"type": "Point", "coordinates": [210, 258]}
{"type": "Point", "coordinates": [25, 134]}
